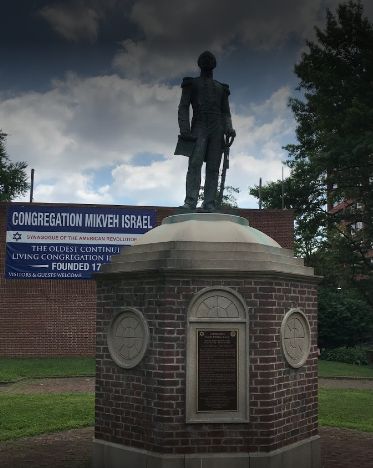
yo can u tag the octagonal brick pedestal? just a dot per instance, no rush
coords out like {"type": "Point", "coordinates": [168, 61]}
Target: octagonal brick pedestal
{"type": "Point", "coordinates": [206, 351]}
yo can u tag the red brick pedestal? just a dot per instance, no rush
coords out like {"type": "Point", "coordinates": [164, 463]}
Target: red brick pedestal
{"type": "Point", "coordinates": [147, 413]}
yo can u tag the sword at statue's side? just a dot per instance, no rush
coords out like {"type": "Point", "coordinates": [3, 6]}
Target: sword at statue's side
{"type": "Point", "coordinates": [227, 144]}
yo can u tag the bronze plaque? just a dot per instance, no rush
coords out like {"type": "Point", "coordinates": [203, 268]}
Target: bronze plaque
{"type": "Point", "coordinates": [217, 376]}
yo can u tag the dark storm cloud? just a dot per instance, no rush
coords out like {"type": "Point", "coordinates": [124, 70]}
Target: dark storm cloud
{"type": "Point", "coordinates": [197, 22]}
{"type": "Point", "coordinates": [73, 22]}
{"type": "Point", "coordinates": [79, 36]}
{"type": "Point", "coordinates": [163, 38]}
{"type": "Point", "coordinates": [174, 34]}
{"type": "Point", "coordinates": [77, 20]}
{"type": "Point", "coordinates": [194, 22]}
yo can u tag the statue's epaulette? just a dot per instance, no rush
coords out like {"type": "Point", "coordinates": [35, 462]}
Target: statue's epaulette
{"type": "Point", "coordinates": [226, 88]}
{"type": "Point", "coordinates": [186, 81]}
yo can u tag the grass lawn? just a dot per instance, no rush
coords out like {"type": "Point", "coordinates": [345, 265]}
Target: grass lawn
{"type": "Point", "coordinates": [340, 369]}
{"type": "Point", "coordinates": [351, 409]}
{"type": "Point", "coordinates": [14, 369]}
{"type": "Point", "coordinates": [28, 415]}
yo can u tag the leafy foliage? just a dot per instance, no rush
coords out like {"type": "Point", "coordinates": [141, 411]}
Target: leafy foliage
{"type": "Point", "coordinates": [229, 197]}
{"type": "Point", "coordinates": [13, 178]}
{"type": "Point", "coordinates": [330, 186]}
{"type": "Point", "coordinates": [335, 130]}
{"type": "Point", "coordinates": [345, 318]}
{"type": "Point", "coordinates": [301, 194]}
{"type": "Point", "coordinates": [330, 369]}
{"type": "Point", "coordinates": [355, 355]}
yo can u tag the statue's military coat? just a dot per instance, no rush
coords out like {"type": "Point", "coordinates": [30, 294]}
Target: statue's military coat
{"type": "Point", "coordinates": [211, 120]}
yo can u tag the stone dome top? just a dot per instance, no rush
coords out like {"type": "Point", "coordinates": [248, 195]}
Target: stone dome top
{"type": "Point", "coordinates": [206, 227]}
{"type": "Point", "coordinates": [208, 242]}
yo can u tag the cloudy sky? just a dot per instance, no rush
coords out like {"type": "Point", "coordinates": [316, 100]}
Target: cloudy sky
{"type": "Point", "coordinates": [89, 90]}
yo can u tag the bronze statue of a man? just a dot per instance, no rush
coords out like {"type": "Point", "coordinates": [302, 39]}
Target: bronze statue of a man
{"type": "Point", "coordinates": [203, 140]}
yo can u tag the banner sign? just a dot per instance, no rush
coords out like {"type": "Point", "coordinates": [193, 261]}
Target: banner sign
{"type": "Point", "coordinates": [69, 242]}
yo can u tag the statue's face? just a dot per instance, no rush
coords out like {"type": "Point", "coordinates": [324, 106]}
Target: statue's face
{"type": "Point", "coordinates": [207, 61]}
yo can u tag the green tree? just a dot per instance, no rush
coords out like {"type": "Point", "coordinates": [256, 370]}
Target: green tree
{"type": "Point", "coordinates": [332, 161]}
{"type": "Point", "coordinates": [345, 318]}
{"type": "Point", "coordinates": [13, 178]}
{"type": "Point", "coordinates": [335, 129]}
{"type": "Point", "coordinates": [229, 197]}
{"type": "Point", "coordinates": [301, 194]}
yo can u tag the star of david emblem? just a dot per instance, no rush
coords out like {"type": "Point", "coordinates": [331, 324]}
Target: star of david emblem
{"type": "Point", "coordinates": [17, 236]}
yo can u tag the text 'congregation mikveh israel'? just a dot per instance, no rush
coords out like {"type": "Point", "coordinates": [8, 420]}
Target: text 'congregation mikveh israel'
{"type": "Point", "coordinates": [31, 218]}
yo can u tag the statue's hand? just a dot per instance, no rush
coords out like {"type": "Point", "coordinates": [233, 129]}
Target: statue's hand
{"type": "Point", "coordinates": [231, 133]}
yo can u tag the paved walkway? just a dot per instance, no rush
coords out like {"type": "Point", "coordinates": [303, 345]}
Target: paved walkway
{"type": "Point", "coordinates": [361, 384]}
{"type": "Point", "coordinates": [344, 448]}
{"type": "Point", "coordinates": [55, 385]}
{"type": "Point", "coordinates": [68, 449]}
{"type": "Point", "coordinates": [87, 384]}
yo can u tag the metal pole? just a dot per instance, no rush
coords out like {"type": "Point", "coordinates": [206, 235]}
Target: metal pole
{"type": "Point", "coordinates": [282, 189]}
{"type": "Point", "coordinates": [32, 185]}
{"type": "Point", "coordinates": [260, 193]}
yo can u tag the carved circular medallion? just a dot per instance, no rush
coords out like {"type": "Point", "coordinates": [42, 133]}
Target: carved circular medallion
{"type": "Point", "coordinates": [295, 337]}
{"type": "Point", "coordinates": [128, 338]}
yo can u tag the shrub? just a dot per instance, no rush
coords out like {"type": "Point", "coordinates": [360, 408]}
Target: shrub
{"type": "Point", "coordinates": [345, 318]}
{"type": "Point", "coordinates": [356, 355]}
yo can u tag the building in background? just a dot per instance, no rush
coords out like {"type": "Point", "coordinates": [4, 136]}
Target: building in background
{"type": "Point", "coordinates": [49, 310]}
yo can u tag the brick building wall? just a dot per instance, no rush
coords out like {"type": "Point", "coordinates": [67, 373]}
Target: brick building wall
{"type": "Point", "coordinates": [57, 317]}
{"type": "Point", "coordinates": [144, 407]}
